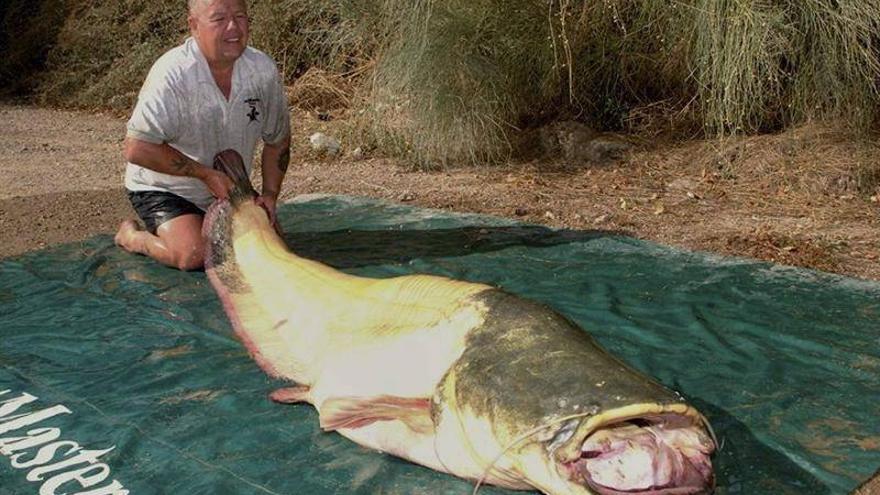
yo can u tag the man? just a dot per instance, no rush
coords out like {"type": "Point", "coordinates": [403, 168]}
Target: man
{"type": "Point", "coordinates": [210, 94]}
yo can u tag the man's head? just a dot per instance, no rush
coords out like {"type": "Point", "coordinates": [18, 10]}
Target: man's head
{"type": "Point", "coordinates": [221, 28]}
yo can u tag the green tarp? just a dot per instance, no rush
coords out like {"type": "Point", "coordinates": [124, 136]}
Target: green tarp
{"type": "Point", "coordinates": [101, 350]}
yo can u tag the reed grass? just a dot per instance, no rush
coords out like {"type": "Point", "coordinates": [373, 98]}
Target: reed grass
{"type": "Point", "coordinates": [456, 81]}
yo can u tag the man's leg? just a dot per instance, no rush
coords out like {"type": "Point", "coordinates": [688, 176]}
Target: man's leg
{"type": "Point", "coordinates": [177, 243]}
{"type": "Point", "coordinates": [173, 234]}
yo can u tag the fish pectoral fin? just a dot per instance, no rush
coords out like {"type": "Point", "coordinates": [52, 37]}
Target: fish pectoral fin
{"type": "Point", "coordinates": [355, 412]}
{"type": "Point", "coordinates": [292, 395]}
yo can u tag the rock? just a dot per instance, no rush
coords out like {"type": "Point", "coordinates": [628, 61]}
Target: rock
{"type": "Point", "coordinates": [521, 212]}
{"type": "Point", "coordinates": [606, 148]}
{"type": "Point", "coordinates": [579, 143]}
{"type": "Point", "coordinates": [323, 143]}
{"type": "Point", "coordinates": [561, 138]}
{"type": "Point", "coordinates": [407, 196]}
{"type": "Point", "coordinates": [357, 154]}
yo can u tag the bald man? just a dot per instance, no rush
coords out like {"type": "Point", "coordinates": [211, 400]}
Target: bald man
{"type": "Point", "coordinates": [211, 93]}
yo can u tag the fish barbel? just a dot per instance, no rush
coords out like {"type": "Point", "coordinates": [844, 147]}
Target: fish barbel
{"type": "Point", "coordinates": [460, 377]}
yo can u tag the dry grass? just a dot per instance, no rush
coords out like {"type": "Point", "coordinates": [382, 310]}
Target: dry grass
{"type": "Point", "coordinates": [322, 91]}
{"type": "Point", "coordinates": [785, 249]}
{"type": "Point", "coordinates": [456, 82]}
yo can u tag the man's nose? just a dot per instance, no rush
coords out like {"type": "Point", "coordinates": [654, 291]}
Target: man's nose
{"type": "Point", "coordinates": [232, 25]}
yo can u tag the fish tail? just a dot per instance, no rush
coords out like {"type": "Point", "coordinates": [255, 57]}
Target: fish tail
{"type": "Point", "coordinates": [230, 162]}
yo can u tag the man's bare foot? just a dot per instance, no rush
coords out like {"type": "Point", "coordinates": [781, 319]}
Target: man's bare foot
{"type": "Point", "coordinates": [125, 234]}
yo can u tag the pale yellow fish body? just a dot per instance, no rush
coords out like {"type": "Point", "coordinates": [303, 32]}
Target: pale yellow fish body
{"type": "Point", "coordinates": [348, 336]}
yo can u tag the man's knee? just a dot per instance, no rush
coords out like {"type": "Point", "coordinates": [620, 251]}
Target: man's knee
{"type": "Point", "coordinates": [191, 259]}
{"type": "Point", "coordinates": [187, 254]}
{"type": "Point", "coordinates": [183, 237]}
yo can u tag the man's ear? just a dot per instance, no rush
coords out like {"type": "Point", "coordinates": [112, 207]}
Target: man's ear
{"type": "Point", "coordinates": [191, 22]}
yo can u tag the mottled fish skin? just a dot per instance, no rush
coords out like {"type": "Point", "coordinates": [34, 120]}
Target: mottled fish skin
{"type": "Point", "coordinates": [217, 227]}
{"type": "Point", "coordinates": [539, 364]}
{"type": "Point", "coordinates": [461, 377]}
{"type": "Point", "coordinates": [527, 364]}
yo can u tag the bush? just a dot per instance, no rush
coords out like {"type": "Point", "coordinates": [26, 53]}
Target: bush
{"type": "Point", "coordinates": [27, 32]}
{"type": "Point", "coordinates": [456, 81]}
{"type": "Point", "coordinates": [764, 65]}
{"type": "Point", "coordinates": [305, 34]}
{"type": "Point", "coordinates": [105, 50]}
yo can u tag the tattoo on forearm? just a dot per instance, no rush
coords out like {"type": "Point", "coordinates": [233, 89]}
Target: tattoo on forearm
{"type": "Point", "coordinates": [178, 164]}
{"type": "Point", "coordinates": [284, 160]}
{"type": "Point", "coordinates": [181, 165]}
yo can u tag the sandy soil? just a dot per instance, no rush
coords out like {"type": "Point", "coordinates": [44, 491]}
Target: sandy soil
{"type": "Point", "coordinates": [807, 197]}
{"type": "Point", "coordinates": [763, 197]}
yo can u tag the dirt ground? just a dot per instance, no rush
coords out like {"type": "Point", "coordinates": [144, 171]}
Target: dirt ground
{"type": "Point", "coordinates": [807, 197]}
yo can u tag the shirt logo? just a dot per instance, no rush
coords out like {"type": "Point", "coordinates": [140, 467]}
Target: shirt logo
{"type": "Point", "coordinates": [253, 114]}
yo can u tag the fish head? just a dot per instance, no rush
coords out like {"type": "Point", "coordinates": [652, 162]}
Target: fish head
{"type": "Point", "coordinates": [642, 449]}
{"type": "Point", "coordinates": [239, 207]}
{"type": "Point", "coordinates": [230, 163]}
{"type": "Point", "coordinates": [539, 400]}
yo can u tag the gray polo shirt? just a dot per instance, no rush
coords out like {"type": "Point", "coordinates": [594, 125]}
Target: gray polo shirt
{"type": "Point", "coordinates": [180, 104]}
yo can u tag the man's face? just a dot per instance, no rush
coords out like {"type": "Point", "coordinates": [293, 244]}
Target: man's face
{"type": "Point", "coordinates": [220, 27]}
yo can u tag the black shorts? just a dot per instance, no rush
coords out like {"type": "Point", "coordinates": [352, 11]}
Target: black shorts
{"type": "Point", "coordinates": [157, 207]}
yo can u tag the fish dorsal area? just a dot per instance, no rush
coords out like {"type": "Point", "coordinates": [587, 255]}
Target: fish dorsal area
{"type": "Point", "coordinates": [298, 312]}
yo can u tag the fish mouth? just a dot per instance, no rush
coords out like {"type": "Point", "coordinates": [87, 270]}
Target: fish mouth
{"type": "Point", "coordinates": [644, 450]}
{"type": "Point", "coordinates": [216, 229]}
{"type": "Point", "coordinates": [217, 209]}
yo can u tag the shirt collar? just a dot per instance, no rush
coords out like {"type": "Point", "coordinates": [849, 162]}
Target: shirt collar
{"type": "Point", "coordinates": [204, 72]}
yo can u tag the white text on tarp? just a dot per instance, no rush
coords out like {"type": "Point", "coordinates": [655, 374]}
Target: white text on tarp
{"type": "Point", "coordinates": [60, 466]}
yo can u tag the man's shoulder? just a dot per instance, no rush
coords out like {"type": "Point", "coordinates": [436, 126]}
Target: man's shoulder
{"type": "Point", "coordinates": [174, 66]}
{"type": "Point", "coordinates": [258, 60]}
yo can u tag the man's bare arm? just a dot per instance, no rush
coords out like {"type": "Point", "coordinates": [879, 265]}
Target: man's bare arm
{"type": "Point", "coordinates": [164, 159]}
{"type": "Point", "coordinates": [275, 160]}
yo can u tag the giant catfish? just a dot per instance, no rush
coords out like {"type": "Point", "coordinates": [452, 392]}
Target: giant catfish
{"type": "Point", "coordinates": [461, 377]}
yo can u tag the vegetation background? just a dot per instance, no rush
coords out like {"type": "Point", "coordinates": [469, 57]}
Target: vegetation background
{"type": "Point", "coordinates": [464, 80]}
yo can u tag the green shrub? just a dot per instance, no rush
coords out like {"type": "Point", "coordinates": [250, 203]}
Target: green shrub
{"type": "Point", "coordinates": [467, 73]}
{"type": "Point", "coordinates": [105, 50]}
{"type": "Point", "coordinates": [834, 61]}
{"type": "Point", "coordinates": [763, 65]}
{"type": "Point", "coordinates": [304, 34]}
{"type": "Point", "coordinates": [445, 88]}
{"type": "Point", "coordinates": [456, 81]}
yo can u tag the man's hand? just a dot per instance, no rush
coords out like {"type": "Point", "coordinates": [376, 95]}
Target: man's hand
{"type": "Point", "coordinates": [269, 203]}
{"type": "Point", "coordinates": [218, 183]}
{"type": "Point", "coordinates": [167, 160]}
